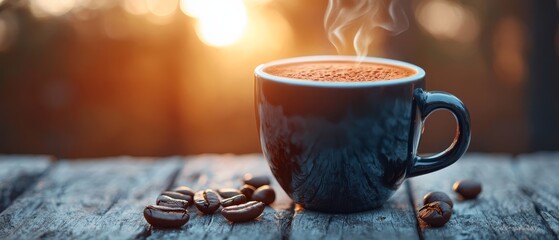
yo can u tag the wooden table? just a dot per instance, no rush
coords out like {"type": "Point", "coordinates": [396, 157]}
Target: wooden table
{"type": "Point", "coordinates": [104, 198]}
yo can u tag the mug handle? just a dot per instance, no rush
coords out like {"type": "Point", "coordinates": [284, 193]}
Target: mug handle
{"type": "Point", "coordinates": [428, 102]}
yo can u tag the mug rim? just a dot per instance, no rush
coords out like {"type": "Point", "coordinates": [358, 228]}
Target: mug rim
{"type": "Point", "coordinates": [419, 72]}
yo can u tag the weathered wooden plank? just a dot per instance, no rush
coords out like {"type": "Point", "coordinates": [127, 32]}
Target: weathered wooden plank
{"type": "Point", "coordinates": [89, 200]}
{"type": "Point", "coordinates": [395, 220]}
{"type": "Point", "coordinates": [501, 211]}
{"type": "Point", "coordinates": [218, 171]}
{"type": "Point", "coordinates": [17, 173]}
{"type": "Point", "coordinates": [539, 179]}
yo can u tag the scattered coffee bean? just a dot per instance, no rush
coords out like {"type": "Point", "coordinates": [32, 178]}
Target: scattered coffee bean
{"type": "Point", "coordinates": [436, 214]}
{"type": "Point", "coordinates": [207, 201]}
{"type": "Point", "coordinates": [256, 181]}
{"type": "Point", "coordinates": [264, 194]}
{"type": "Point", "coordinates": [166, 217]}
{"type": "Point", "coordinates": [228, 192]}
{"type": "Point", "coordinates": [468, 189]}
{"type": "Point", "coordinates": [437, 196]}
{"type": "Point", "coordinates": [247, 190]}
{"type": "Point", "coordinates": [185, 190]}
{"type": "Point", "coordinates": [235, 200]}
{"type": "Point", "coordinates": [244, 212]}
{"type": "Point", "coordinates": [177, 195]}
{"type": "Point", "coordinates": [167, 201]}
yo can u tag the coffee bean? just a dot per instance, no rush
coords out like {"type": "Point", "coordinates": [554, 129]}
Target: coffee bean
{"type": "Point", "coordinates": [207, 201]}
{"type": "Point", "coordinates": [166, 217]}
{"type": "Point", "coordinates": [185, 190]}
{"type": "Point", "coordinates": [437, 196]}
{"type": "Point", "coordinates": [264, 194]}
{"type": "Point", "coordinates": [244, 212]}
{"type": "Point", "coordinates": [468, 189]}
{"type": "Point", "coordinates": [247, 190]}
{"type": "Point", "coordinates": [235, 200]}
{"type": "Point", "coordinates": [436, 214]}
{"type": "Point", "coordinates": [256, 181]}
{"type": "Point", "coordinates": [164, 200]}
{"type": "Point", "coordinates": [228, 192]}
{"type": "Point", "coordinates": [177, 195]}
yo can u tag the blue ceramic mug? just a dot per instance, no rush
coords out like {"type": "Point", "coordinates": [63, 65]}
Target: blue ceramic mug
{"type": "Point", "coordinates": [347, 146]}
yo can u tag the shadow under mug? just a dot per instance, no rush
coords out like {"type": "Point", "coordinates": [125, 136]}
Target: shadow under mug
{"type": "Point", "coordinates": [346, 147]}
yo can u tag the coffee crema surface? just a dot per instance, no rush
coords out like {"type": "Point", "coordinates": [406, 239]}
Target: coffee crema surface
{"type": "Point", "coordinates": [340, 71]}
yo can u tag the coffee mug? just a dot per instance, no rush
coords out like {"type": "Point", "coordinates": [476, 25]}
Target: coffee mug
{"type": "Point", "coordinates": [345, 147]}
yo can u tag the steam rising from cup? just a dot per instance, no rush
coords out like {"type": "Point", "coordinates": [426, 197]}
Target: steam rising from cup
{"type": "Point", "coordinates": [347, 20]}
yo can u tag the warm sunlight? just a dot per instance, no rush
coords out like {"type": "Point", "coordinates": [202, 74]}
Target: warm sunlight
{"type": "Point", "coordinates": [44, 8]}
{"type": "Point", "coordinates": [448, 20]}
{"type": "Point", "coordinates": [219, 22]}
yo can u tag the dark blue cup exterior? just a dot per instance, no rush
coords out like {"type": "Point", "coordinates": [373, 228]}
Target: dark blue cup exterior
{"type": "Point", "coordinates": [346, 147]}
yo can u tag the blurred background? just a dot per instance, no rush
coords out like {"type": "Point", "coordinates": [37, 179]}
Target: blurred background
{"type": "Point", "coordinates": [92, 78]}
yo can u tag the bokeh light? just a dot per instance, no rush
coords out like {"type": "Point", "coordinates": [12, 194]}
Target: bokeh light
{"type": "Point", "coordinates": [44, 8]}
{"type": "Point", "coordinates": [218, 22]}
{"type": "Point", "coordinates": [136, 7]}
{"type": "Point", "coordinates": [448, 20]}
{"type": "Point", "coordinates": [162, 8]}
{"type": "Point", "coordinates": [193, 8]}
{"type": "Point", "coordinates": [508, 47]}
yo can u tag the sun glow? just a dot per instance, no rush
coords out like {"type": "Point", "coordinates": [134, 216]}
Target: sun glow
{"type": "Point", "coordinates": [219, 22]}
{"type": "Point", "coordinates": [45, 8]}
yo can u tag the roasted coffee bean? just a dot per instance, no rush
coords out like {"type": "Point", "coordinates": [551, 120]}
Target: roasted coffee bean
{"type": "Point", "coordinates": [166, 217]}
{"type": "Point", "coordinates": [436, 214]}
{"type": "Point", "coordinates": [264, 194]}
{"type": "Point", "coordinates": [247, 190]}
{"type": "Point", "coordinates": [185, 190]}
{"type": "Point", "coordinates": [164, 200]}
{"type": "Point", "coordinates": [177, 195]}
{"type": "Point", "coordinates": [235, 200]}
{"type": "Point", "coordinates": [468, 189]}
{"type": "Point", "coordinates": [228, 192]}
{"type": "Point", "coordinates": [256, 181]}
{"type": "Point", "coordinates": [437, 196]}
{"type": "Point", "coordinates": [207, 201]}
{"type": "Point", "coordinates": [244, 212]}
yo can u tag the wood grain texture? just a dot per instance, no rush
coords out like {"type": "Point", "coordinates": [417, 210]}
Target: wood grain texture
{"type": "Point", "coordinates": [17, 173]}
{"type": "Point", "coordinates": [218, 171]}
{"type": "Point", "coordinates": [104, 199]}
{"type": "Point", "coordinates": [539, 179]}
{"type": "Point", "coordinates": [97, 199]}
{"type": "Point", "coordinates": [395, 220]}
{"type": "Point", "coordinates": [501, 211]}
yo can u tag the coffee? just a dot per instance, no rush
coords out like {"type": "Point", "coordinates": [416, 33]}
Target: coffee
{"type": "Point", "coordinates": [228, 192]}
{"type": "Point", "coordinates": [340, 71]}
{"type": "Point", "coordinates": [235, 200]}
{"type": "Point", "coordinates": [185, 191]}
{"type": "Point", "coordinates": [166, 217]}
{"type": "Point", "coordinates": [243, 212]}
{"type": "Point", "coordinates": [437, 196]}
{"type": "Point", "coordinates": [167, 201]}
{"type": "Point", "coordinates": [468, 189]}
{"type": "Point", "coordinates": [256, 181]}
{"type": "Point", "coordinates": [341, 136]}
{"type": "Point", "coordinates": [207, 201]}
{"type": "Point", "coordinates": [178, 195]}
{"type": "Point", "coordinates": [247, 190]}
{"type": "Point", "coordinates": [436, 214]}
{"type": "Point", "coordinates": [264, 194]}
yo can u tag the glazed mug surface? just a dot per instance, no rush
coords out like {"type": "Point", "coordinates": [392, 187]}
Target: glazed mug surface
{"type": "Point", "coordinates": [345, 147]}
